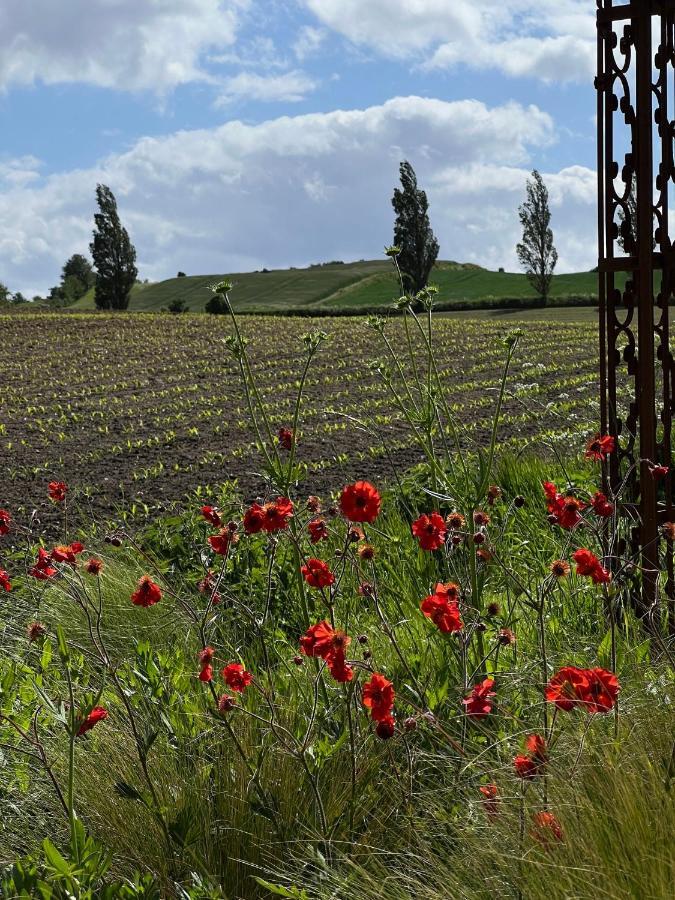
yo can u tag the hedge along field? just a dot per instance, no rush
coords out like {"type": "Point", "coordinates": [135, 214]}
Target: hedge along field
{"type": "Point", "coordinates": [146, 409]}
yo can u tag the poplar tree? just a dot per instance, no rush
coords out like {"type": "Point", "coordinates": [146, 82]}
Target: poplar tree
{"type": "Point", "coordinates": [113, 253]}
{"type": "Point", "coordinates": [536, 252]}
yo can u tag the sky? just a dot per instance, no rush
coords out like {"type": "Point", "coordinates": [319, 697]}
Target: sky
{"type": "Point", "coordinates": [242, 134]}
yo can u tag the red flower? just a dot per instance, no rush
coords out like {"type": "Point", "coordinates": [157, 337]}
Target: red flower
{"type": "Point", "coordinates": [236, 677]}
{"type": "Point", "coordinates": [589, 565]}
{"type": "Point", "coordinates": [43, 569]}
{"type": "Point", "coordinates": [478, 703]}
{"type": "Point", "coordinates": [658, 472]}
{"type": "Point", "coordinates": [5, 583]}
{"type": "Point", "coordinates": [206, 673]}
{"type": "Point", "coordinates": [599, 447]}
{"type": "Point", "coordinates": [481, 519]}
{"type": "Point", "coordinates": [430, 531]}
{"type": "Point", "coordinates": [254, 518]}
{"type": "Point", "coordinates": [443, 609]}
{"type": "Point", "coordinates": [378, 697]}
{"type": "Point", "coordinates": [67, 554]}
{"type": "Point", "coordinates": [360, 502]}
{"type": "Point", "coordinates": [525, 766]}
{"type": "Point", "coordinates": [546, 826]}
{"type": "Point", "coordinates": [98, 714]}
{"type": "Point", "coordinates": [506, 637]}
{"type": "Point", "coordinates": [58, 491]}
{"type": "Point", "coordinates": [94, 566]}
{"type": "Point", "coordinates": [220, 543]}
{"type": "Point", "coordinates": [601, 505]}
{"type": "Point", "coordinates": [385, 728]}
{"type": "Point", "coordinates": [560, 568]}
{"type": "Point", "coordinates": [456, 521]}
{"type": "Point", "coordinates": [212, 516]}
{"type": "Point", "coordinates": [339, 669]}
{"type": "Point", "coordinates": [566, 510]}
{"type": "Point", "coordinates": [35, 631]}
{"type": "Point", "coordinates": [271, 517]}
{"type": "Point", "coordinates": [5, 521]}
{"type": "Point", "coordinates": [493, 494]}
{"type": "Point", "coordinates": [206, 656]}
{"type": "Point", "coordinates": [147, 592]}
{"type": "Point", "coordinates": [285, 436]}
{"type": "Point", "coordinates": [317, 574]}
{"type": "Point", "coordinates": [601, 691]}
{"type": "Point", "coordinates": [318, 530]}
{"type": "Point", "coordinates": [567, 687]}
{"type": "Point", "coordinates": [491, 800]}
{"type": "Point", "coordinates": [226, 703]}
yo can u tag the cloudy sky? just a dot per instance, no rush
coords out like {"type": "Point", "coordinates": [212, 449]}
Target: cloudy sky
{"type": "Point", "coordinates": [238, 134]}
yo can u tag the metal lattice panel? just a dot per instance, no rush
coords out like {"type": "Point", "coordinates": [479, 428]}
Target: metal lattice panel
{"type": "Point", "coordinates": [636, 130]}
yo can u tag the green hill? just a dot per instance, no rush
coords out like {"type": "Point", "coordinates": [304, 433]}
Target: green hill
{"type": "Point", "coordinates": [336, 286]}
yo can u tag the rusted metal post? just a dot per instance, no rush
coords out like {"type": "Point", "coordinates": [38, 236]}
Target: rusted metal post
{"type": "Point", "coordinates": [637, 372]}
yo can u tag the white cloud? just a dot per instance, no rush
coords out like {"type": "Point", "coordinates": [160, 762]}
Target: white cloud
{"type": "Point", "coordinates": [549, 39]}
{"type": "Point", "coordinates": [308, 42]}
{"type": "Point", "coordinates": [296, 190]}
{"type": "Point", "coordinates": [290, 87]}
{"type": "Point", "coordinates": [128, 44]}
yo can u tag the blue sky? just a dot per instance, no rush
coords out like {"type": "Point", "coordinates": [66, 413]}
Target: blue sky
{"type": "Point", "coordinates": [238, 134]}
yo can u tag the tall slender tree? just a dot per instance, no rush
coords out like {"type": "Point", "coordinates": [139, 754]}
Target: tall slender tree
{"type": "Point", "coordinates": [113, 253]}
{"type": "Point", "coordinates": [536, 252]}
{"type": "Point", "coordinates": [412, 231]}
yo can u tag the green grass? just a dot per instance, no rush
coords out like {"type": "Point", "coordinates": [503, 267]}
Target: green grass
{"type": "Point", "coordinates": [349, 286]}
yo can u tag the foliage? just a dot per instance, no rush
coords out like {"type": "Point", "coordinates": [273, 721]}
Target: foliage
{"type": "Point", "coordinates": [536, 252]}
{"type": "Point", "coordinates": [178, 306]}
{"type": "Point", "coordinates": [412, 231]}
{"type": "Point", "coordinates": [113, 253]}
{"type": "Point", "coordinates": [314, 697]}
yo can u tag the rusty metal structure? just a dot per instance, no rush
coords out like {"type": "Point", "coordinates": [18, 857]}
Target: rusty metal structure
{"type": "Point", "coordinates": [636, 264]}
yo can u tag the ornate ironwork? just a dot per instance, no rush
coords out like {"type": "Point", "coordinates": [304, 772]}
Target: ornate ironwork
{"type": "Point", "coordinates": [636, 265]}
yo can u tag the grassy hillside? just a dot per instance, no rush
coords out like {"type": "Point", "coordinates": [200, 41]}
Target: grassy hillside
{"type": "Point", "coordinates": [340, 286]}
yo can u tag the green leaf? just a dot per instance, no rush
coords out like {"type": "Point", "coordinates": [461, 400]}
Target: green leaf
{"type": "Point", "coordinates": [54, 858]}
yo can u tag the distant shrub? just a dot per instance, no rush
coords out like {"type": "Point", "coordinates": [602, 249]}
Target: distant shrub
{"type": "Point", "coordinates": [181, 275]}
{"type": "Point", "coordinates": [217, 305]}
{"type": "Point", "coordinates": [178, 306]}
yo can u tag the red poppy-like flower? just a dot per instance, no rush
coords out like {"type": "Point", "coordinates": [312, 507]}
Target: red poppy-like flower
{"type": "Point", "coordinates": [490, 800]}
{"type": "Point", "coordinates": [456, 521]}
{"type": "Point", "coordinates": [494, 493]}
{"type": "Point", "coordinates": [339, 669]}
{"type": "Point", "coordinates": [442, 608]}
{"type": "Point", "coordinates": [589, 565]}
{"type": "Point", "coordinates": [481, 519]}
{"type": "Point", "coordinates": [386, 728]}
{"type": "Point", "coordinates": [208, 586]}
{"type": "Point", "coordinates": [567, 687]}
{"type": "Point", "coordinates": [599, 447]}
{"type": "Point", "coordinates": [658, 472]}
{"type": "Point", "coordinates": [317, 573]}
{"type": "Point", "coordinates": [322, 640]}
{"type": "Point", "coordinates": [360, 502]}
{"type": "Point", "coordinates": [226, 703]}
{"type": "Point", "coordinates": [94, 566]}
{"type": "Point", "coordinates": [560, 568]}
{"type": "Point", "coordinates": [601, 505]}
{"type": "Point", "coordinates": [271, 517]}
{"type": "Point", "coordinates": [147, 593]}
{"type": "Point", "coordinates": [98, 714]}
{"type": "Point", "coordinates": [35, 631]}
{"type": "Point", "coordinates": [545, 827]}
{"type": "Point", "coordinates": [206, 656]}
{"type": "Point", "coordinates": [254, 518]}
{"type": "Point", "coordinates": [318, 530]}
{"type": "Point", "coordinates": [57, 491]}
{"type": "Point", "coordinates": [379, 696]}
{"type": "Point", "coordinates": [565, 509]}
{"type": "Point", "coordinates": [525, 766]}
{"type": "Point", "coordinates": [206, 673]}
{"type": "Point", "coordinates": [506, 637]}
{"type": "Point", "coordinates": [43, 570]}
{"type": "Point", "coordinates": [5, 583]}
{"type": "Point", "coordinates": [479, 702]}
{"type": "Point", "coordinates": [212, 516]}
{"type": "Point", "coordinates": [67, 554]}
{"type": "Point", "coordinates": [601, 692]}
{"type": "Point", "coordinates": [5, 521]}
{"type": "Point", "coordinates": [220, 543]}
{"type": "Point", "coordinates": [236, 677]}
{"type": "Point", "coordinates": [430, 531]}
{"type": "Point", "coordinates": [285, 436]}
{"type": "Point", "coordinates": [313, 504]}
{"type": "Point", "coordinates": [537, 746]}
